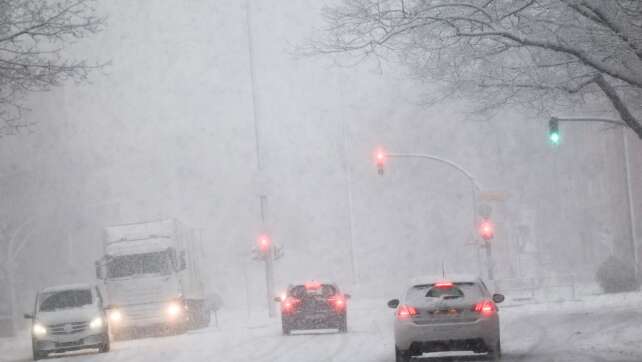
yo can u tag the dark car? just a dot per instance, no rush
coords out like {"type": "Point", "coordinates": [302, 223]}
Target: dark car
{"type": "Point", "coordinates": [314, 305]}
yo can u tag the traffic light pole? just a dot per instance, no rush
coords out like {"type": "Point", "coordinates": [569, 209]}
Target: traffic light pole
{"type": "Point", "coordinates": [268, 257]}
{"type": "Point", "coordinates": [269, 281]}
{"type": "Point", "coordinates": [489, 258]}
{"type": "Point", "coordinates": [627, 170]}
{"type": "Point", "coordinates": [476, 189]}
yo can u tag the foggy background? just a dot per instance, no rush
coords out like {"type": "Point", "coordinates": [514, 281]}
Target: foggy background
{"type": "Point", "coordinates": [168, 130]}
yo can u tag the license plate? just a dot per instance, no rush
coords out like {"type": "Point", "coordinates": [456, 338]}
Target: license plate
{"type": "Point", "coordinates": [446, 312]}
{"type": "Point", "coordinates": [315, 316]}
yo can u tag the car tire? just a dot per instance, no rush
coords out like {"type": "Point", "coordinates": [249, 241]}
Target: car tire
{"type": "Point", "coordinates": [343, 324]}
{"type": "Point", "coordinates": [401, 356]}
{"type": "Point", "coordinates": [206, 318]}
{"type": "Point", "coordinates": [495, 354]}
{"type": "Point", "coordinates": [285, 328]}
{"type": "Point", "coordinates": [106, 346]}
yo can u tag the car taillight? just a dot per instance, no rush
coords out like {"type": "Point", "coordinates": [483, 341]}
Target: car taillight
{"type": "Point", "coordinates": [289, 305]}
{"type": "Point", "coordinates": [485, 307]}
{"type": "Point", "coordinates": [405, 312]}
{"type": "Point", "coordinates": [337, 302]}
{"type": "Point", "coordinates": [444, 284]}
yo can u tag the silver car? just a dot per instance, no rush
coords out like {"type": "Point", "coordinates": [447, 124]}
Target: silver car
{"type": "Point", "coordinates": [439, 314]}
{"type": "Point", "coordinates": [68, 318]}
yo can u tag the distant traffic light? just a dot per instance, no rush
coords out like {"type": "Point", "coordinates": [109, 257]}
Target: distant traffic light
{"type": "Point", "coordinates": [554, 131]}
{"type": "Point", "coordinates": [380, 160]}
{"type": "Point", "coordinates": [264, 243]}
{"type": "Point", "coordinates": [486, 229]}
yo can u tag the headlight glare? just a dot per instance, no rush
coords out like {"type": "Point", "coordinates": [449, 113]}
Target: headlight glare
{"type": "Point", "coordinates": [174, 309]}
{"type": "Point", "coordinates": [115, 316]}
{"type": "Point", "coordinates": [39, 330]}
{"type": "Point", "coordinates": [96, 323]}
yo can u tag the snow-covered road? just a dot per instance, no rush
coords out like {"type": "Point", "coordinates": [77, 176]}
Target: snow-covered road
{"type": "Point", "coordinates": [604, 328]}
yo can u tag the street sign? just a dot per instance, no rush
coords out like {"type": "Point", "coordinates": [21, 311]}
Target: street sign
{"type": "Point", "coordinates": [493, 196]}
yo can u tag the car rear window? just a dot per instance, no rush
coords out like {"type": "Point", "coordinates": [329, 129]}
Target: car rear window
{"type": "Point", "coordinates": [323, 290]}
{"type": "Point", "coordinates": [65, 299]}
{"type": "Point", "coordinates": [457, 290]}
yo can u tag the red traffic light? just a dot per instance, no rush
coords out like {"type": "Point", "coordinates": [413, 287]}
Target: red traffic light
{"type": "Point", "coordinates": [264, 243]}
{"type": "Point", "coordinates": [486, 229]}
{"type": "Point", "coordinates": [380, 159]}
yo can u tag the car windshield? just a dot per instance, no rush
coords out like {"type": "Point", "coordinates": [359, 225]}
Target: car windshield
{"type": "Point", "coordinates": [65, 299]}
{"type": "Point", "coordinates": [139, 264]}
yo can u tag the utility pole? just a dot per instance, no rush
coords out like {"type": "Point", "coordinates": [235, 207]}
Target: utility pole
{"type": "Point", "coordinates": [267, 255]}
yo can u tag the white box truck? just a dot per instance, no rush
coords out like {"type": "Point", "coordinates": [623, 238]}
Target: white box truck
{"type": "Point", "coordinates": [152, 277]}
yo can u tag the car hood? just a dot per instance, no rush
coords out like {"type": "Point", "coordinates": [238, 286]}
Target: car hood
{"type": "Point", "coordinates": [60, 316]}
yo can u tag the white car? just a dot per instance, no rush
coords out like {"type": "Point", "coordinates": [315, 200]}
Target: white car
{"type": "Point", "coordinates": [438, 315]}
{"type": "Point", "coordinates": [68, 318]}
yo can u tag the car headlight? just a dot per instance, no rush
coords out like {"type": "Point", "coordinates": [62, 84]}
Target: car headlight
{"type": "Point", "coordinates": [174, 309]}
{"type": "Point", "coordinates": [96, 323]}
{"type": "Point", "coordinates": [115, 316]}
{"type": "Point", "coordinates": [39, 330]}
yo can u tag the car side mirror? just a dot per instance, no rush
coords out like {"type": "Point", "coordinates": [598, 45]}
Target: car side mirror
{"type": "Point", "coordinates": [110, 307]}
{"type": "Point", "coordinates": [277, 299]}
{"type": "Point", "coordinates": [347, 296]}
{"type": "Point", "coordinates": [28, 316]}
{"type": "Point", "coordinates": [498, 298]}
{"type": "Point", "coordinates": [394, 303]}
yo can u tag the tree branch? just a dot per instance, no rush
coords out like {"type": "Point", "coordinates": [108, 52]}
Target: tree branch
{"type": "Point", "coordinates": [619, 105]}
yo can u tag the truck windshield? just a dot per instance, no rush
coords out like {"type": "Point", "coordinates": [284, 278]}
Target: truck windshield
{"type": "Point", "coordinates": [137, 264]}
{"type": "Point", "coordinates": [65, 299]}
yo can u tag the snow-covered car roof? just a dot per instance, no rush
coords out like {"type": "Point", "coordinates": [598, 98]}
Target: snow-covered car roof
{"type": "Point", "coordinates": [60, 288]}
{"type": "Point", "coordinates": [455, 278]}
{"type": "Point", "coordinates": [304, 282]}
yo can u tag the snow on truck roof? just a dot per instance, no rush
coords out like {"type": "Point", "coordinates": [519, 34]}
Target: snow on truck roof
{"type": "Point", "coordinates": [60, 288]}
{"type": "Point", "coordinates": [129, 247]}
{"type": "Point", "coordinates": [142, 230]}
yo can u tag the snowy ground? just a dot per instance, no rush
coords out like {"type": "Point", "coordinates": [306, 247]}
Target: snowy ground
{"type": "Point", "coordinates": [596, 328]}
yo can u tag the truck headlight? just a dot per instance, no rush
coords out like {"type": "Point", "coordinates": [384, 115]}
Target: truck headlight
{"type": "Point", "coordinates": [174, 309]}
{"type": "Point", "coordinates": [39, 330]}
{"type": "Point", "coordinates": [96, 323]}
{"type": "Point", "coordinates": [115, 316]}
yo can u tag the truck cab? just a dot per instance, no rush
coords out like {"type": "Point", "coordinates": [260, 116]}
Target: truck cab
{"type": "Point", "coordinates": [151, 276]}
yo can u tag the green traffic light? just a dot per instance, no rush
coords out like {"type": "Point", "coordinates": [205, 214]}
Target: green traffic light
{"type": "Point", "coordinates": [554, 131]}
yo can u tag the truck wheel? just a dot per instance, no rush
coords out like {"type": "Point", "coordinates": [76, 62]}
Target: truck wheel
{"type": "Point", "coordinates": [401, 356]}
{"type": "Point", "coordinates": [206, 318]}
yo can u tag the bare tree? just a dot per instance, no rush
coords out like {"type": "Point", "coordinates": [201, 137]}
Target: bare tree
{"type": "Point", "coordinates": [33, 35]}
{"type": "Point", "coordinates": [539, 53]}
